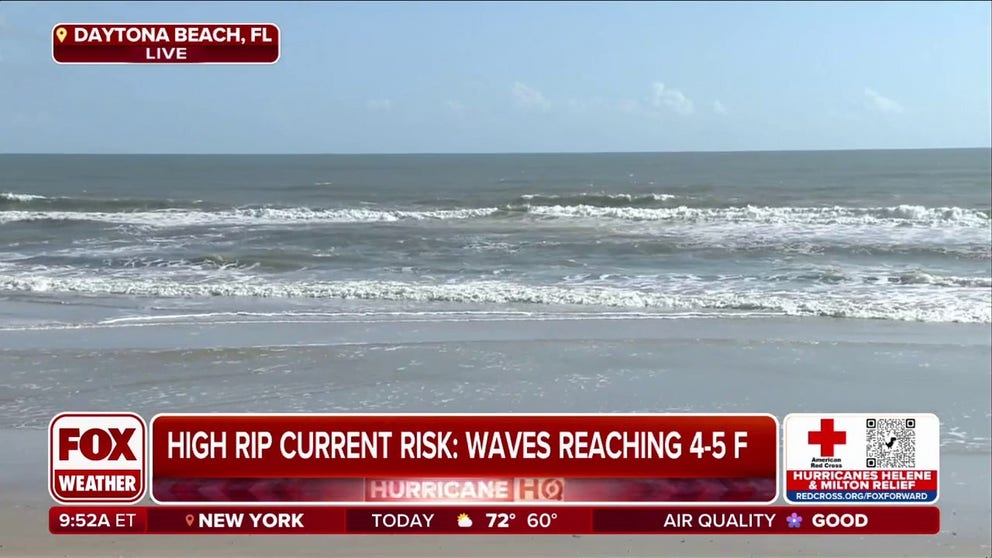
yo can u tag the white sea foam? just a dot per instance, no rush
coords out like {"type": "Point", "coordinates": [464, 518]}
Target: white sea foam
{"type": "Point", "coordinates": [915, 216]}
{"type": "Point", "coordinates": [911, 302]}
{"type": "Point", "coordinates": [601, 196]}
{"type": "Point", "coordinates": [899, 215]}
{"type": "Point", "coordinates": [289, 317]}
{"type": "Point", "coordinates": [260, 216]}
{"type": "Point", "coordinates": [10, 196]}
{"type": "Point", "coordinates": [924, 278]}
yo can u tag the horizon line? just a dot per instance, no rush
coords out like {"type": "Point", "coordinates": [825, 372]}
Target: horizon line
{"type": "Point", "coordinates": [401, 153]}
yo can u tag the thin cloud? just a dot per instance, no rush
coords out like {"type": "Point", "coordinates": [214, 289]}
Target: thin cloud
{"type": "Point", "coordinates": [719, 107]}
{"type": "Point", "coordinates": [672, 99]}
{"type": "Point", "coordinates": [881, 103]}
{"type": "Point", "coordinates": [379, 105]}
{"type": "Point", "coordinates": [528, 97]}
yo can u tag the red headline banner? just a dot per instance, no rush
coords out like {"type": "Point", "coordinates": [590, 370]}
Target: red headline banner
{"type": "Point", "coordinates": [468, 520]}
{"type": "Point", "coordinates": [489, 490]}
{"type": "Point", "coordinates": [160, 43]}
{"type": "Point", "coordinates": [394, 446]}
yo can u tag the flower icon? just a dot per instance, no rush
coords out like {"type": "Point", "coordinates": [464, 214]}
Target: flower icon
{"type": "Point", "coordinates": [795, 520]}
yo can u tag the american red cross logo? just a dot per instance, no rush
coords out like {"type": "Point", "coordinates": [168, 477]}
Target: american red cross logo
{"type": "Point", "coordinates": [827, 437]}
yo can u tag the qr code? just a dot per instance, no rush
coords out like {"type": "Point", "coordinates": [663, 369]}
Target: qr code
{"type": "Point", "coordinates": [891, 443]}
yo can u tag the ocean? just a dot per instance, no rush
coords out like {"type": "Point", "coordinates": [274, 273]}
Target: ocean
{"type": "Point", "coordinates": [886, 235]}
{"type": "Point", "coordinates": [664, 283]}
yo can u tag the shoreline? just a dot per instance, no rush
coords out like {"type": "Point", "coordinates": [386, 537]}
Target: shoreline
{"type": "Point", "coordinates": [157, 333]}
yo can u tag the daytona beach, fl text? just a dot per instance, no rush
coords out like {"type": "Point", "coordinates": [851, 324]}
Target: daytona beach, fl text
{"type": "Point", "coordinates": [86, 43]}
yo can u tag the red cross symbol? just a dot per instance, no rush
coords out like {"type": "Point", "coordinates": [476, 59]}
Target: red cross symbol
{"type": "Point", "coordinates": [827, 438]}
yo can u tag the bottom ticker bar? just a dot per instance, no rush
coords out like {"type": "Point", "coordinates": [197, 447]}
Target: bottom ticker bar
{"type": "Point", "coordinates": [441, 520]}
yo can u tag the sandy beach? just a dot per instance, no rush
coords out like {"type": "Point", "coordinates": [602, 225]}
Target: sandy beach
{"type": "Point", "coordinates": [451, 364]}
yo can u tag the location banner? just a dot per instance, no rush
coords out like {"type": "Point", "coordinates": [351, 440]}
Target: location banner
{"type": "Point", "coordinates": [161, 43]}
{"type": "Point", "coordinates": [469, 520]}
{"type": "Point", "coordinates": [393, 458]}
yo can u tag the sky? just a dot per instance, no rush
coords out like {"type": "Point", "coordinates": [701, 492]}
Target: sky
{"type": "Point", "coordinates": [515, 77]}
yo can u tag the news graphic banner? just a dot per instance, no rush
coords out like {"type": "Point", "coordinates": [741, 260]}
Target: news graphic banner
{"type": "Point", "coordinates": [486, 474]}
{"type": "Point", "coordinates": [96, 457]}
{"type": "Point", "coordinates": [165, 43]}
{"type": "Point", "coordinates": [446, 458]}
{"type": "Point", "coordinates": [847, 458]}
{"type": "Point", "coordinates": [516, 520]}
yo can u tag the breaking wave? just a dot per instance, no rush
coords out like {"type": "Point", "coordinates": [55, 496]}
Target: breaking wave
{"type": "Point", "coordinates": [903, 215]}
{"type": "Point", "coordinates": [915, 305]}
{"type": "Point", "coordinates": [257, 216]}
{"type": "Point", "coordinates": [600, 199]}
{"type": "Point", "coordinates": [923, 278]}
{"type": "Point", "coordinates": [12, 197]}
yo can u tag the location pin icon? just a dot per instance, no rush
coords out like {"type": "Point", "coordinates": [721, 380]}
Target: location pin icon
{"type": "Point", "coordinates": [61, 33]}
{"type": "Point", "coordinates": [189, 520]}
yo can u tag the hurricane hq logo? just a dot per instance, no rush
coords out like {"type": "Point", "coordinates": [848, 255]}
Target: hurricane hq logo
{"type": "Point", "coordinates": [96, 457]}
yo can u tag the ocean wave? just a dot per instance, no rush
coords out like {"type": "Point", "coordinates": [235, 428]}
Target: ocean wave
{"type": "Point", "coordinates": [600, 199]}
{"type": "Point", "coordinates": [164, 213]}
{"type": "Point", "coordinates": [900, 215]}
{"type": "Point", "coordinates": [37, 203]}
{"type": "Point", "coordinates": [251, 216]}
{"type": "Point", "coordinates": [924, 278]}
{"type": "Point", "coordinates": [275, 261]}
{"type": "Point", "coordinates": [12, 197]}
{"type": "Point", "coordinates": [812, 279]}
{"type": "Point", "coordinates": [919, 305]}
{"type": "Point", "coordinates": [905, 278]}
{"type": "Point", "coordinates": [966, 244]}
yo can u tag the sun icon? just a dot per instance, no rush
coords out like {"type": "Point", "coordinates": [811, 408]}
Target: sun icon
{"type": "Point", "coordinates": [464, 520]}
